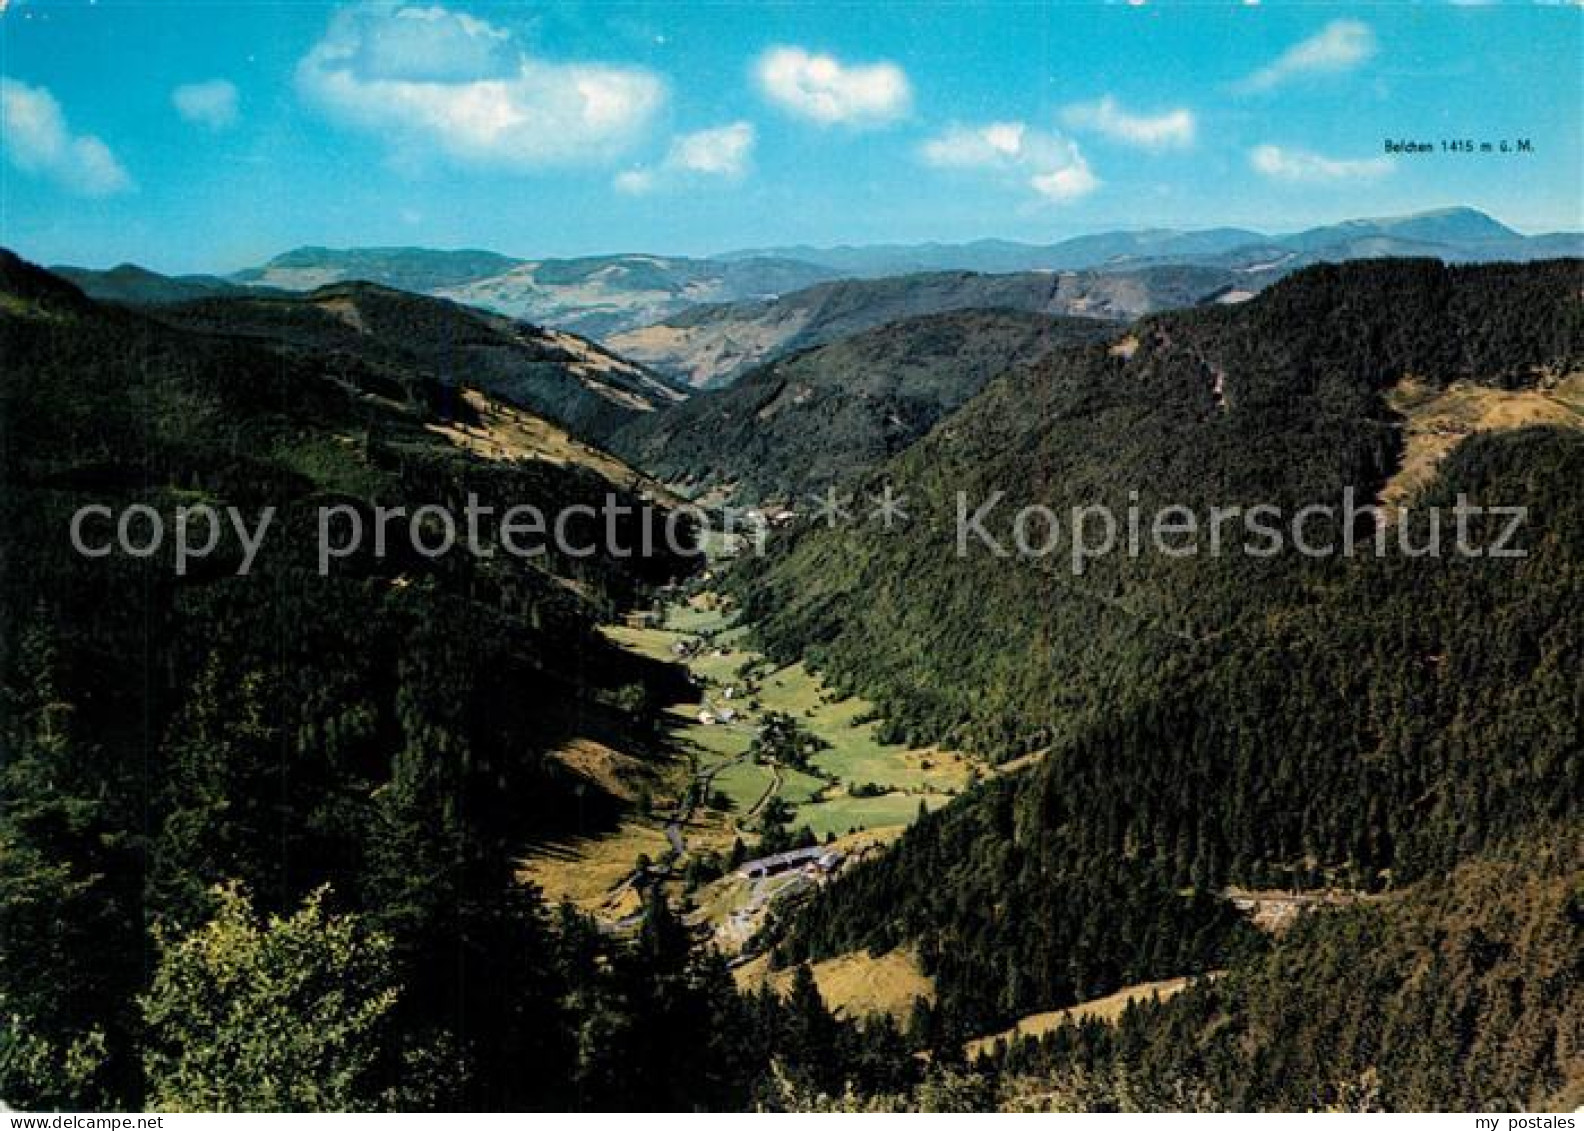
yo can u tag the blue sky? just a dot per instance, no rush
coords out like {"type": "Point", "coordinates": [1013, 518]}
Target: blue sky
{"type": "Point", "coordinates": [209, 136]}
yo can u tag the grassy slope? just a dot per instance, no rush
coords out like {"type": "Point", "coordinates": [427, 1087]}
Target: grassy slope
{"type": "Point", "coordinates": [1438, 419]}
{"type": "Point", "coordinates": [854, 985]}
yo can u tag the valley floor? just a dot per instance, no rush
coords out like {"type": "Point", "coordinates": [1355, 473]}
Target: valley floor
{"type": "Point", "coordinates": [707, 804]}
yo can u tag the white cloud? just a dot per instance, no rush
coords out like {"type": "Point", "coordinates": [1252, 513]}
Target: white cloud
{"type": "Point", "coordinates": [1045, 161]}
{"type": "Point", "coordinates": [1301, 166]}
{"type": "Point", "coordinates": [1069, 183]}
{"type": "Point", "coordinates": [37, 139]}
{"type": "Point", "coordinates": [636, 182]}
{"type": "Point", "coordinates": [720, 152]}
{"type": "Point", "coordinates": [1174, 129]}
{"type": "Point", "coordinates": [824, 90]}
{"type": "Point", "coordinates": [996, 144]}
{"type": "Point", "coordinates": [1171, 129]}
{"type": "Point", "coordinates": [1339, 46]}
{"type": "Point", "coordinates": [723, 152]}
{"type": "Point", "coordinates": [211, 104]}
{"type": "Point", "coordinates": [432, 80]}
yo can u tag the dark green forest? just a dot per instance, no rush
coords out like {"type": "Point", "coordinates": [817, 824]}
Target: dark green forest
{"type": "Point", "coordinates": [1003, 656]}
{"type": "Point", "coordinates": [1366, 723]}
{"type": "Point", "coordinates": [258, 833]}
{"type": "Point", "coordinates": [1461, 995]}
{"type": "Point", "coordinates": [796, 426]}
{"type": "Point", "coordinates": [725, 340]}
{"type": "Point", "coordinates": [1456, 996]}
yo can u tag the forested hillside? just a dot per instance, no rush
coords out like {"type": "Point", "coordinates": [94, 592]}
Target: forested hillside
{"type": "Point", "coordinates": [1458, 994]}
{"type": "Point", "coordinates": [794, 427]}
{"type": "Point", "coordinates": [1463, 993]}
{"type": "Point", "coordinates": [718, 343]}
{"type": "Point", "coordinates": [1366, 722]}
{"type": "Point", "coordinates": [557, 375]}
{"type": "Point", "coordinates": [1280, 401]}
{"type": "Point", "coordinates": [259, 831]}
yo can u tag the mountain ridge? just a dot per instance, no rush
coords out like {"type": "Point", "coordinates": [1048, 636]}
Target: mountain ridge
{"type": "Point", "coordinates": [713, 345]}
{"type": "Point", "coordinates": [795, 426]}
{"type": "Point", "coordinates": [1453, 226]}
{"type": "Point", "coordinates": [569, 380]}
{"type": "Point", "coordinates": [590, 295]}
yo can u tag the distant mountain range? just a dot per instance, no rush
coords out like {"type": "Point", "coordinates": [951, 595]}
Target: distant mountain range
{"type": "Point", "coordinates": [595, 296]}
{"type": "Point", "coordinates": [1455, 235]}
{"type": "Point", "coordinates": [607, 297]}
{"type": "Point", "coordinates": [1079, 253]}
{"type": "Point", "coordinates": [405, 268]}
{"type": "Point", "coordinates": [132, 285]}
